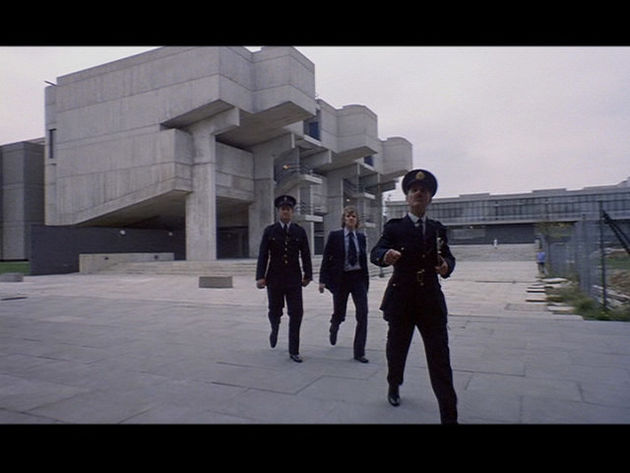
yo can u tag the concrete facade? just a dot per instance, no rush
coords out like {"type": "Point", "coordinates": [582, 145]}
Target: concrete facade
{"type": "Point", "coordinates": [21, 196]}
{"type": "Point", "coordinates": [204, 139]}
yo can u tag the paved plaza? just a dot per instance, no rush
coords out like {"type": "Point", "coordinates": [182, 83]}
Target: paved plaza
{"type": "Point", "coordinates": [148, 348]}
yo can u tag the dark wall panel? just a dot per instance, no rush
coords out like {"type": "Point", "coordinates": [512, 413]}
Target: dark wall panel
{"type": "Point", "coordinates": [56, 249]}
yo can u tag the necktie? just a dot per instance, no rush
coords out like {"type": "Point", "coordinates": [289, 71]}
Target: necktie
{"type": "Point", "coordinates": [286, 228]}
{"type": "Point", "coordinates": [352, 250]}
{"type": "Point", "coordinates": [420, 224]}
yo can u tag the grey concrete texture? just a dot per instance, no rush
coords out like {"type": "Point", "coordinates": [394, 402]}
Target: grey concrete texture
{"type": "Point", "coordinates": [146, 349]}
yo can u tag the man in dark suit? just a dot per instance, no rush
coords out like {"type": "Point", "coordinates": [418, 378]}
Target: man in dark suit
{"type": "Point", "coordinates": [344, 271]}
{"type": "Point", "coordinates": [418, 249]}
{"type": "Point", "coordinates": [278, 269]}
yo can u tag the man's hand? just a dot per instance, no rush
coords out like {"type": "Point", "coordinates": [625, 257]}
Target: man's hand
{"type": "Point", "coordinates": [261, 283]}
{"type": "Point", "coordinates": [391, 256]}
{"type": "Point", "coordinates": [305, 282]}
{"type": "Point", "coordinates": [321, 288]}
{"type": "Point", "coordinates": [442, 268]}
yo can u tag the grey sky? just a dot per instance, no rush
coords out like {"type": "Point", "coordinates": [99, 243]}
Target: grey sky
{"type": "Point", "coordinates": [483, 119]}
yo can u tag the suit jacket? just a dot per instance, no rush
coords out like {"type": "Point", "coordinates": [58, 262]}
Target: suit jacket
{"type": "Point", "coordinates": [414, 278]}
{"type": "Point", "coordinates": [279, 256]}
{"type": "Point", "coordinates": [334, 258]}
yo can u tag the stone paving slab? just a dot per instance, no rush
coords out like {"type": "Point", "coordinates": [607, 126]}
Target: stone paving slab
{"type": "Point", "coordinates": [144, 349]}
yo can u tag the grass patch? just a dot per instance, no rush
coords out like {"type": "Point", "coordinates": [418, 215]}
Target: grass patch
{"type": "Point", "coordinates": [618, 260]}
{"type": "Point", "coordinates": [585, 306]}
{"type": "Point", "coordinates": [23, 267]}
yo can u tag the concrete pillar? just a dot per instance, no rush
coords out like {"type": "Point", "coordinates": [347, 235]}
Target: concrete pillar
{"type": "Point", "coordinates": [201, 215]}
{"type": "Point", "coordinates": [335, 202]}
{"type": "Point", "coordinates": [261, 211]}
{"type": "Point", "coordinates": [201, 207]}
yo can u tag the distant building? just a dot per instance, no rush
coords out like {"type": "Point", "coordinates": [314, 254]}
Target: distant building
{"type": "Point", "coordinates": [21, 196]}
{"type": "Point", "coordinates": [512, 218]}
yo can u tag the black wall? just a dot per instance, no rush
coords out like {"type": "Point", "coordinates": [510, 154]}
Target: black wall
{"type": "Point", "coordinates": [485, 234]}
{"type": "Point", "coordinates": [56, 249]}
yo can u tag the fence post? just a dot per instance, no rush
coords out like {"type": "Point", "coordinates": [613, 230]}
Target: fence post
{"type": "Point", "coordinates": [602, 254]}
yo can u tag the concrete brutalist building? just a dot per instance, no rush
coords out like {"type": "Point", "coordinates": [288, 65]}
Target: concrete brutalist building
{"type": "Point", "coordinates": [202, 139]}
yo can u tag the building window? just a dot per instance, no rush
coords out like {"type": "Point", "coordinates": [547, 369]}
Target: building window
{"type": "Point", "coordinates": [51, 143]}
{"type": "Point", "coordinates": [313, 130]}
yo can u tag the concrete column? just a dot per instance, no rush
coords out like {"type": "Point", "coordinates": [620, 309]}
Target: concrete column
{"type": "Point", "coordinates": [261, 211]}
{"type": "Point", "coordinates": [335, 202]}
{"type": "Point", "coordinates": [309, 228]}
{"type": "Point", "coordinates": [201, 203]}
{"type": "Point", "coordinates": [201, 212]}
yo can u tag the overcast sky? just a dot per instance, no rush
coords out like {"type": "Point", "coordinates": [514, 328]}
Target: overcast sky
{"type": "Point", "coordinates": [483, 119]}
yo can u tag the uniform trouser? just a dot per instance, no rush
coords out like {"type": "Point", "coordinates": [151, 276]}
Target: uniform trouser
{"type": "Point", "coordinates": [352, 282]}
{"type": "Point", "coordinates": [435, 338]}
{"type": "Point", "coordinates": [293, 296]}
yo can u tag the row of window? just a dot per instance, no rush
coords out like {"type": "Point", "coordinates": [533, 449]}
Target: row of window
{"type": "Point", "coordinates": [535, 208]}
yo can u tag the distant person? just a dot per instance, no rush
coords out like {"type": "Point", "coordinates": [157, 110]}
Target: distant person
{"type": "Point", "coordinates": [540, 261]}
{"type": "Point", "coordinates": [344, 272]}
{"type": "Point", "coordinates": [417, 247]}
{"type": "Point", "coordinates": [495, 243]}
{"type": "Point", "coordinates": [278, 269]}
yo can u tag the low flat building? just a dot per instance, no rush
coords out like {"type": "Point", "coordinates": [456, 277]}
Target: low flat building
{"type": "Point", "coordinates": [513, 218]}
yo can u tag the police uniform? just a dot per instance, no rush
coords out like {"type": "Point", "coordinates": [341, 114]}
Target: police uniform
{"type": "Point", "coordinates": [279, 264]}
{"type": "Point", "coordinates": [414, 298]}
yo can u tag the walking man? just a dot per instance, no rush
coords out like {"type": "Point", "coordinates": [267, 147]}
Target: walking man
{"type": "Point", "coordinates": [418, 249]}
{"type": "Point", "coordinates": [278, 269]}
{"type": "Point", "coordinates": [343, 272]}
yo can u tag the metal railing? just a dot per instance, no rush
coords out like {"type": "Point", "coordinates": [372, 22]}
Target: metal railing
{"type": "Point", "coordinates": [286, 170]}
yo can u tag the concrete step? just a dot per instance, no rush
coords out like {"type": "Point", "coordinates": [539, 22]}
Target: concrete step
{"type": "Point", "coordinates": [247, 266]}
{"type": "Point", "coordinates": [224, 267]}
{"type": "Point", "coordinates": [193, 268]}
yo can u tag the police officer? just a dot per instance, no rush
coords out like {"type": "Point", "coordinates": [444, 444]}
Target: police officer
{"type": "Point", "coordinates": [278, 269]}
{"type": "Point", "coordinates": [418, 249]}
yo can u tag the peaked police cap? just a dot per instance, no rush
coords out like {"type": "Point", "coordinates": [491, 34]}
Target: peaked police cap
{"type": "Point", "coordinates": [284, 200]}
{"type": "Point", "coordinates": [422, 176]}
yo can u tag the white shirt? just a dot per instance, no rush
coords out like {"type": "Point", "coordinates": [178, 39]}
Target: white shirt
{"type": "Point", "coordinates": [417, 220]}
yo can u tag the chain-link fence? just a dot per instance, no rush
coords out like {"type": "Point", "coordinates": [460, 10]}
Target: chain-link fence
{"type": "Point", "coordinates": [591, 253]}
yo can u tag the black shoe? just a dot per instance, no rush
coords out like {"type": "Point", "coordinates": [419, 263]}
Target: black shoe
{"type": "Point", "coordinates": [333, 333]}
{"type": "Point", "coordinates": [449, 422]}
{"type": "Point", "coordinates": [362, 359]}
{"type": "Point", "coordinates": [393, 397]}
{"type": "Point", "coordinates": [273, 337]}
{"type": "Point", "coordinates": [296, 358]}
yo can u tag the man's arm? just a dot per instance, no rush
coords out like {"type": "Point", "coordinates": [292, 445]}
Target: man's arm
{"type": "Point", "coordinates": [307, 265]}
{"type": "Point", "coordinates": [263, 259]}
{"type": "Point", "coordinates": [383, 253]}
{"type": "Point", "coordinates": [445, 253]}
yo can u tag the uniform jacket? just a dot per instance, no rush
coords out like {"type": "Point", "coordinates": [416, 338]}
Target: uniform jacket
{"type": "Point", "coordinates": [279, 256]}
{"type": "Point", "coordinates": [414, 279]}
{"type": "Point", "coordinates": [334, 258]}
